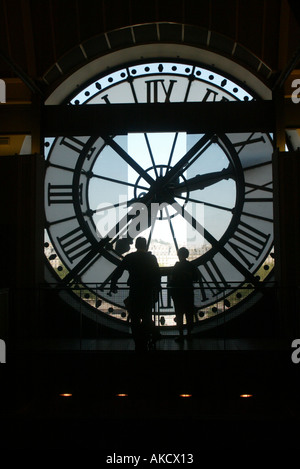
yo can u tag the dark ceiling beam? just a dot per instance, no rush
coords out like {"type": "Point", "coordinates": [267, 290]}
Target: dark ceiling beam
{"type": "Point", "coordinates": [94, 119]}
{"type": "Point", "coordinates": [28, 38]}
{"type": "Point", "coordinates": [165, 117]}
{"type": "Point", "coordinates": [285, 65]}
{"type": "Point", "coordinates": [27, 80]}
{"type": "Point", "coordinates": [295, 7]}
{"type": "Point", "coordinates": [285, 73]}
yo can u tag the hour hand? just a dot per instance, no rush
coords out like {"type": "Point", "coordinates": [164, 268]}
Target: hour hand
{"type": "Point", "coordinates": [202, 181]}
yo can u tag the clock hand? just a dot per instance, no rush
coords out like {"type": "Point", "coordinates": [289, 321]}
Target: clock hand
{"type": "Point", "coordinates": [103, 245]}
{"type": "Point", "coordinates": [200, 182]}
{"type": "Point", "coordinates": [200, 146]}
{"type": "Point", "coordinates": [128, 159]}
{"type": "Point", "coordinates": [195, 224]}
{"type": "Point", "coordinates": [151, 154]}
{"type": "Point", "coordinates": [216, 244]}
{"type": "Point", "coordinates": [117, 181]}
{"type": "Point", "coordinates": [172, 150]}
{"type": "Point", "coordinates": [126, 203]}
{"type": "Point", "coordinates": [207, 204]}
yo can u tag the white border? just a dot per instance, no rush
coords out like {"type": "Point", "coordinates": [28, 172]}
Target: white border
{"type": "Point", "coordinates": [156, 51]}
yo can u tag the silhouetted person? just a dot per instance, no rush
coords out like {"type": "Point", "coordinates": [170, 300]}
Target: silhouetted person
{"type": "Point", "coordinates": [182, 280]}
{"type": "Point", "coordinates": [144, 285]}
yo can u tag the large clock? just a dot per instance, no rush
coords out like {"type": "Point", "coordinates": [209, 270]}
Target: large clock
{"type": "Point", "coordinates": [210, 192]}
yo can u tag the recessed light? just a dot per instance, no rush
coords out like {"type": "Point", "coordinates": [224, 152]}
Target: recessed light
{"type": "Point", "coordinates": [246, 395]}
{"type": "Point", "coordinates": [66, 394]}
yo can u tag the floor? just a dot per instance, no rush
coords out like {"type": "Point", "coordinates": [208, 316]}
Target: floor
{"type": "Point", "coordinates": [163, 344]}
{"type": "Point", "coordinates": [151, 416]}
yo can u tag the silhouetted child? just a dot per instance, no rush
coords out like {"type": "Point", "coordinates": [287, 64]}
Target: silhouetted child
{"type": "Point", "coordinates": [182, 280]}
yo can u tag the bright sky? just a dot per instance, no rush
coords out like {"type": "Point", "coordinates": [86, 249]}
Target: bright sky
{"type": "Point", "coordinates": [139, 147]}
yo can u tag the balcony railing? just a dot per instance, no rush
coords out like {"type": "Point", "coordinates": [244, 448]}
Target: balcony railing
{"type": "Point", "coordinates": [53, 311]}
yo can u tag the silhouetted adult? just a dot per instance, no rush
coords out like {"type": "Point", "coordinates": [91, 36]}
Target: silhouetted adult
{"type": "Point", "coordinates": [144, 285]}
{"type": "Point", "coordinates": [183, 277]}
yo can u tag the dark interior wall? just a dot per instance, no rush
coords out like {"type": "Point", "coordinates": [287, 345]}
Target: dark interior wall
{"type": "Point", "coordinates": [21, 231]}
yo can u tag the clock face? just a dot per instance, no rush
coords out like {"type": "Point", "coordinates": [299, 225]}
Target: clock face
{"type": "Point", "coordinates": [211, 193]}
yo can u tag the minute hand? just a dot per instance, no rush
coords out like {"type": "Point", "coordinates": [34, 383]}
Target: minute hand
{"type": "Point", "coordinates": [179, 167]}
{"type": "Point", "coordinates": [127, 158]}
{"type": "Point", "coordinates": [200, 182]}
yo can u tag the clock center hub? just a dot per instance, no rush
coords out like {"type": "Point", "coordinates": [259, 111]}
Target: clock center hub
{"type": "Point", "coordinates": [162, 189]}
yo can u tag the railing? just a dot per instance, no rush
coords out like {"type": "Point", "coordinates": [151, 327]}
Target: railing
{"type": "Point", "coordinates": [210, 301]}
{"type": "Point", "coordinates": [91, 312]}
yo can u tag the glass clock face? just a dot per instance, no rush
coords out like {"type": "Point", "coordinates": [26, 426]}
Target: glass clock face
{"type": "Point", "coordinates": [211, 193]}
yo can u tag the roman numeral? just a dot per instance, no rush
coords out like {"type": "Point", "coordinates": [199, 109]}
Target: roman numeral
{"type": "Point", "coordinates": [211, 280]}
{"type": "Point", "coordinates": [76, 145]}
{"type": "Point", "coordinates": [72, 142]}
{"type": "Point", "coordinates": [241, 145]}
{"type": "Point", "coordinates": [211, 95]}
{"type": "Point", "coordinates": [106, 99]}
{"type": "Point", "coordinates": [74, 244]}
{"type": "Point", "coordinates": [62, 194]}
{"type": "Point", "coordinates": [265, 188]}
{"type": "Point", "coordinates": [248, 243]}
{"type": "Point", "coordinates": [153, 88]}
